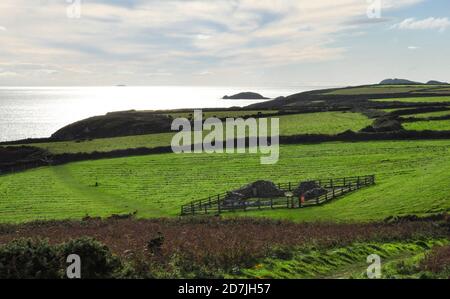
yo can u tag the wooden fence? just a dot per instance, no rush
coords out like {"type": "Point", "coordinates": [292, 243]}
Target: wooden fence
{"type": "Point", "coordinates": [335, 188]}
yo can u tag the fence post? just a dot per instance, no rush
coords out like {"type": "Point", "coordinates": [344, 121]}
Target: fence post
{"type": "Point", "coordinates": [218, 205]}
{"type": "Point", "coordinates": [317, 200]}
{"type": "Point", "coordinates": [290, 186]}
{"type": "Point", "coordinates": [192, 208]}
{"type": "Point", "coordinates": [334, 193]}
{"type": "Point", "coordinates": [344, 182]}
{"type": "Point", "coordinates": [271, 203]}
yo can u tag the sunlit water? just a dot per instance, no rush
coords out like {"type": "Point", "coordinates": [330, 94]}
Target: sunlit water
{"type": "Point", "coordinates": [36, 112]}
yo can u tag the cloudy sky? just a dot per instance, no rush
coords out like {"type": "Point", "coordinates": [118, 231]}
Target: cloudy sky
{"type": "Point", "coordinates": [222, 42]}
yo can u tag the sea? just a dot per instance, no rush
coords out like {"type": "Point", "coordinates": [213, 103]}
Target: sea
{"type": "Point", "coordinates": [38, 112]}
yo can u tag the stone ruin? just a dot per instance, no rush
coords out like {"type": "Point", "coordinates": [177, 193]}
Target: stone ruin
{"type": "Point", "coordinates": [259, 189]}
{"type": "Point", "coordinates": [309, 189]}
{"type": "Point", "coordinates": [267, 189]}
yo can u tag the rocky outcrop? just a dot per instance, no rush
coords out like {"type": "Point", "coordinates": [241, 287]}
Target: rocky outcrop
{"type": "Point", "coordinates": [246, 96]}
{"type": "Point", "coordinates": [384, 124]}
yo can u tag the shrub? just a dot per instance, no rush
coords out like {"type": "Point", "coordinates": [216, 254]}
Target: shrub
{"type": "Point", "coordinates": [27, 259]}
{"type": "Point", "coordinates": [438, 260]}
{"type": "Point", "coordinates": [283, 253]}
{"type": "Point", "coordinates": [97, 260]}
{"type": "Point", "coordinates": [155, 244]}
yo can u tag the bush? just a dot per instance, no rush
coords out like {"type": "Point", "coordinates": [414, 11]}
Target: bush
{"type": "Point", "coordinates": [438, 260]}
{"type": "Point", "coordinates": [283, 253]}
{"type": "Point", "coordinates": [27, 259]}
{"type": "Point", "coordinates": [96, 259]}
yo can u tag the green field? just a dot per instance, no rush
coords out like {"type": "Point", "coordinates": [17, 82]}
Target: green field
{"type": "Point", "coordinates": [417, 100]}
{"type": "Point", "coordinates": [381, 89]}
{"type": "Point", "coordinates": [429, 114]}
{"type": "Point", "coordinates": [434, 125]}
{"type": "Point", "coordinates": [311, 123]}
{"type": "Point", "coordinates": [412, 178]}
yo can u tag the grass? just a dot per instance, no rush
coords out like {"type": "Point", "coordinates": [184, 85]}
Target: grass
{"type": "Point", "coordinates": [345, 262]}
{"type": "Point", "coordinates": [394, 109]}
{"type": "Point", "coordinates": [312, 123]}
{"type": "Point", "coordinates": [412, 178]}
{"type": "Point", "coordinates": [435, 125]}
{"type": "Point", "coordinates": [429, 114]}
{"type": "Point", "coordinates": [381, 89]}
{"type": "Point", "coordinates": [436, 99]}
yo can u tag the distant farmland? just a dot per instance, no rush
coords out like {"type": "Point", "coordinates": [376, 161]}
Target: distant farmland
{"type": "Point", "coordinates": [381, 89]}
{"type": "Point", "coordinates": [310, 123]}
{"type": "Point", "coordinates": [417, 100]}
{"type": "Point", "coordinates": [435, 125]}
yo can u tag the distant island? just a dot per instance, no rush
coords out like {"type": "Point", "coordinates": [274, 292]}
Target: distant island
{"type": "Point", "coordinates": [409, 82]}
{"type": "Point", "coordinates": [245, 96]}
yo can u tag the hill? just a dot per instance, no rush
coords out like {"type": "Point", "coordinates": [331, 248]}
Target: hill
{"type": "Point", "coordinates": [398, 81]}
{"type": "Point", "coordinates": [115, 124]}
{"type": "Point", "coordinates": [434, 82]}
{"type": "Point", "coordinates": [245, 96]}
{"type": "Point", "coordinates": [354, 97]}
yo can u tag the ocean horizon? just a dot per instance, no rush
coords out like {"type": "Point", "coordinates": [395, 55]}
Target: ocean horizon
{"type": "Point", "coordinates": [38, 112]}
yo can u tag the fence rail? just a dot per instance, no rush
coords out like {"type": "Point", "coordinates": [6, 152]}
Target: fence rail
{"type": "Point", "coordinates": [335, 187]}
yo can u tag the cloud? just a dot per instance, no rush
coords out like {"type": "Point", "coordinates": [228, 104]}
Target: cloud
{"type": "Point", "coordinates": [430, 23]}
{"type": "Point", "coordinates": [8, 74]}
{"type": "Point", "coordinates": [2, 28]}
{"type": "Point", "coordinates": [204, 73]}
{"type": "Point", "coordinates": [180, 37]}
{"type": "Point", "coordinates": [160, 74]}
{"type": "Point", "coordinates": [413, 48]}
{"type": "Point", "coordinates": [368, 21]}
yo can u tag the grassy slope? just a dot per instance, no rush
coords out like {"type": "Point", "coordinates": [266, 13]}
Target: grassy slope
{"type": "Point", "coordinates": [412, 178]}
{"type": "Point", "coordinates": [382, 89]}
{"type": "Point", "coordinates": [346, 262]}
{"type": "Point", "coordinates": [435, 125]}
{"type": "Point", "coordinates": [429, 114]}
{"type": "Point", "coordinates": [442, 99]}
{"type": "Point", "coordinates": [326, 123]}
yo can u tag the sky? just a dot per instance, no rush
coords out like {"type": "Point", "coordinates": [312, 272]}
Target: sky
{"type": "Point", "coordinates": [275, 43]}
